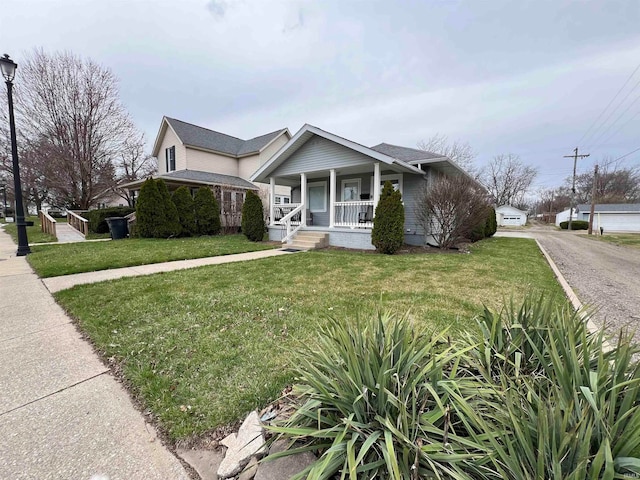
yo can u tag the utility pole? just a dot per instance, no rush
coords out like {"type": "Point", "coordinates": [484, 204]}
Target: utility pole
{"type": "Point", "coordinates": [593, 199]}
{"type": "Point", "coordinates": [575, 157]}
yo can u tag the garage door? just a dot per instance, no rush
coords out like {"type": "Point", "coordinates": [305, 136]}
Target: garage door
{"type": "Point", "coordinates": [629, 222]}
{"type": "Point", "coordinates": [511, 220]}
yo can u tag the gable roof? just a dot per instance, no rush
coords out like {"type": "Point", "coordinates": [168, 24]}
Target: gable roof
{"type": "Point", "coordinates": [610, 208]}
{"type": "Point", "coordinates": [406, 154]}
{"type": "Point", "coordinates": [308, 131]}
{"type": "Point", "coordinates": [203, 138]}
{"type": "Point", "coordinates": [510, 208]}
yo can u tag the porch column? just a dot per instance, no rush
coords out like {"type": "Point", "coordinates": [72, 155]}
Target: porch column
{"type": "Point", "coordinates": [272, 200]}
{"type": "Point", "coordinates": [303, 199]}
{"type": "Point", "coordinates": [332, 198]}
{"type": "Point", "coordinates": [376, 185]}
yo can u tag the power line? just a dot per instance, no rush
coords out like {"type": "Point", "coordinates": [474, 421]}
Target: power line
{"type": "Point", "coordinates": [609, 104]}
{"type": "Point", "coordinates": [604, 142]}
{"type": "Point", "coordinates": [627, 154]}
{"type": "Point", "coordinates": [614, 110]}
{"type": "Point", "coordinates": [616, 120]}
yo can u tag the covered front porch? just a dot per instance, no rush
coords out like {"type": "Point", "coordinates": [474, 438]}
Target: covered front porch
{"type": "Point", "coordinates": [333, 200]}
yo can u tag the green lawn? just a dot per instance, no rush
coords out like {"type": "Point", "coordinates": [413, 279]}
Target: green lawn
{"type": "Point", "coordinates": [65, 259]}
{"type": "Point", "coordinates": [34, 234]}
{"type": "Point", "coordinates": [626, 239]}
{"type": "Point", "coordinates": [202, 347]}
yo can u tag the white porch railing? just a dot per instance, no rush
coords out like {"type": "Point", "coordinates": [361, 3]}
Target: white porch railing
{"type": "Point", "coordinates": [288, 223]}
{"type": "Point", "coordinates": [280, 211]}
{"type": "Point", "coordinates": [354, 214]}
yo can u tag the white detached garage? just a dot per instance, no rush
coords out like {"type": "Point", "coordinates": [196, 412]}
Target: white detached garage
{"type": "Point", "coordinates": [613, 217]}
{"type": "Point", "coordinates": [508, 216]}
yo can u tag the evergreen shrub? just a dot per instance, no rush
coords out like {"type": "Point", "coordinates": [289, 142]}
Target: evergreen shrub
{"type": "Point", "coordinates": [207, 212]}
{"type": "Point", "coordinates": [253, 225]}
{"type": "Point", "coordinates": [575, 225]}
{"type": "Point", "coordinates": [388, 223]}
{"type": "Point", "coordinates": [185, 206]}
{"type": "Point", "coordinates": [97, 222]}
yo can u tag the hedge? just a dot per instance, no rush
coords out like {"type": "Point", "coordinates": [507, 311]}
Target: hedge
{"type": "Point", "coordinates": [97, 223]}
{"type": "Point", "coordinates": [575, 225]}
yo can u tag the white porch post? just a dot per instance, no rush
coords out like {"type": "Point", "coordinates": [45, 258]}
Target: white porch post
{"type": "Point", "coordinates": [272, 200]}
{"type": "Point", "coordinates": [332, 198]}
{"type": "Point", "coordinates": [303, 199]}
{"type": "Point", "coordinates": [376, 185]}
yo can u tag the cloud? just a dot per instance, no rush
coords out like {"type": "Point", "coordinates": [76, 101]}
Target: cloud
{"type": "Point", "coordinates": [296, 24]}
{"type": "Point", "coordinates": [217, 8]}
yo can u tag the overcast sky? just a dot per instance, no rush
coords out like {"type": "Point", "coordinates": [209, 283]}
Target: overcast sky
{"type": "Point", "coordinates": [523, 77]}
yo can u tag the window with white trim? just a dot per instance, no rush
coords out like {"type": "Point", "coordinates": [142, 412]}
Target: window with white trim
{"type": "Point", "coordinates": [282, 199]}
{"type": "Point", "coordinates": [170, 158]}
{"type": "Point", "coordinates": [350, 189]}
{"type": "Point", "coordinates": [317, 196]}
{"type": "Point", "coordinates": [395, 179]}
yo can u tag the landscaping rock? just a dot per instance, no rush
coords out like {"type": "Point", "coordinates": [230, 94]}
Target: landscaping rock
{"type": "Point", "coordinates": [250, 470]}
{"type": "Point", "coordinates": [241, 446]}
{"type": "Point", "coordinates": [205, 462]}
{"type": "Point", "coordinates": [285, 467]}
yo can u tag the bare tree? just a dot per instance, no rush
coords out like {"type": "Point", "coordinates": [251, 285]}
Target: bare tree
{"type": "Point", "coordinates": [133, 163]}
{"type": "Point", "coordinates": [459, 152]}
{"type": "Point", "coordinates": [507, 179]}
{"type": "Point", "coordinates": [72, 104]}
{"type": "Point", "coordinates": [616, 184]}
{"type": "Point", "coordinates": [450, 208]}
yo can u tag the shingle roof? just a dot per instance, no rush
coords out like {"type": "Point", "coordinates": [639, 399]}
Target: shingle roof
{"type": "Point", "coordinates": [404, 153]}
{"type": "Point", "coordinates": [200, 137]}
{"type": "Point", "coordinates": [610, 207]}
{"type": "Point", "coordinates": [209, 178]}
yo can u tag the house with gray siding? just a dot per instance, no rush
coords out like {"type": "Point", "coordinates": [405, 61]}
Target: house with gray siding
{"type": "Point", "coordinates": [336, 183]}
{"type": "Point", "coordinates": [612, 217]}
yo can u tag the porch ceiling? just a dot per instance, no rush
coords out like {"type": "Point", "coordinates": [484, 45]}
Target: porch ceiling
{"type": "Point", "coordinates": [367, 168]}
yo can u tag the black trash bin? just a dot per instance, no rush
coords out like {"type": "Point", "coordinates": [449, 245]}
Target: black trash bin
{"type": "Point", "coordinates": [118, 226]}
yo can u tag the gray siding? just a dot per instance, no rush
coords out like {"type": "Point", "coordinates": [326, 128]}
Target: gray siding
{"type": "Point", "coordinates": [320, 154]}
{"type": "Point", "coordinates": [411, 188]}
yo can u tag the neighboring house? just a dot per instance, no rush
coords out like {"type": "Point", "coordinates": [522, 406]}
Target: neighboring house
{"type": "Point", "coordinates": [612, 217]}
{"type": "Point", "coordinates": [336, 183]}
{"type": "Point", "coordinates": [563, 216]}
{"type": "Point", "coordinates": [195, 156]}
{"type": "Point", "coordinates": [508, 216]}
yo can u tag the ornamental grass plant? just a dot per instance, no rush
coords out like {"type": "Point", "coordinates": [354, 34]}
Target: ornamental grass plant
{"type": "Point", "coordinates": [534, 395]}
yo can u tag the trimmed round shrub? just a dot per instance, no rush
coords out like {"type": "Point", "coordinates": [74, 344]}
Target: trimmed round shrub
{"type": "Point", "coordinates": [97, 222]}
{"type": "Point", "coordinates": [575, 225]}
{"type": "Point", "coordinates": [183, 201]}
{"type": "Point", "coordinates": [253, 225]}
{"type": "Point", "coordinates": [207, 212]}
{"type": "Point", "coordinates": [388, 224]}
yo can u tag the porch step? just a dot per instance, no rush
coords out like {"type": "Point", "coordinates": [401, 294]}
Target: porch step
{"type": "Point", "coordinates": [310, 240]}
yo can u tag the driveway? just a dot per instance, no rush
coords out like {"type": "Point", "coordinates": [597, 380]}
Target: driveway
{"type": "Point", "coordinates": [603, 275]}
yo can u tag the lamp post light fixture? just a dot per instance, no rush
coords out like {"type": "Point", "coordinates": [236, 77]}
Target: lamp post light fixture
{"type": "Point", "coordinates": [8, 68]}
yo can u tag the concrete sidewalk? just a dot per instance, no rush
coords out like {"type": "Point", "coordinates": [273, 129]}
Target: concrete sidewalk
{"type": "Point", "coordinates": [55, 284]}
{"type": "Point", "coordinates": [62, 414]}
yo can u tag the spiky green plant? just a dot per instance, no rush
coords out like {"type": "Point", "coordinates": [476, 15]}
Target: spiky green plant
{"type": "Point", "coordinates": [377, 401]}
{"type": "Point", "coordinates": [569, 401]}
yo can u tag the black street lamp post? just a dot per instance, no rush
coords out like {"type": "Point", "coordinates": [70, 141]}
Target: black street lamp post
{"type": "Point", "coordinates": [4, 203]}
{"type": "Point", "coordinates": [8, 68]}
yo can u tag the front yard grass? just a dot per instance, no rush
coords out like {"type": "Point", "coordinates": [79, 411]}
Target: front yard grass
{"type": "Point", "coordinates": [34, 233]}
{"type": "Point", "coordinates": [66, 259]}
{"type": "Point", "coordinates": [202, 347]}
{"type": "Point", "coordinates": [626, 239]}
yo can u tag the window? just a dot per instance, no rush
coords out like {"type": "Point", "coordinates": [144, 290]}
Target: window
{"type": "Point", "coordinates": [396, 181]}
{"type": "Point", "coordinates": [351, 190]}
{"type": "Point", "coordinates": [170, 158]}
{"type": "Point", "coordinates": [317, 196]}
{"type": "Point", "coordinates": [281, 199]}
